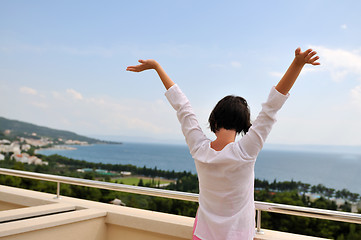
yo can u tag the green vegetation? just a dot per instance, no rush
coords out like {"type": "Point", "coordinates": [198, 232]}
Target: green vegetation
{"type": "Point", "coordinates": [288, 192]}
{"type": "Point", "coordinates": [303, 225]}
{"type": "Point", "coordinates": [305, 187]}
{"type": "Point", "coordinates": [60, 165]}
{"type": "Point", "coordinates": [141, 181]}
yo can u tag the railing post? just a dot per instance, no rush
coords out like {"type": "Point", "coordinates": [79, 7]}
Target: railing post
{"type": "Point", "coordinates": [57, 191]}
{"type": "Point", "coordinates": [259, 231]}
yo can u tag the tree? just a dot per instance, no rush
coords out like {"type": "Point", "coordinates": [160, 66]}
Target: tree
{"type": "Point", "coordinates": [89, 175]}
{"type": "Point", "coordinates": [140, 183]}
{"type": "Point", "coordinates": [107, 178]}
{"type": "Point", "coordinates": [329, 192]}
{"type": "Point", "coordinates": [305, 187]}
{"type": "Point", "coordinates": [353, 197]}
{"type": "Point", "coordinates": [31, 151]}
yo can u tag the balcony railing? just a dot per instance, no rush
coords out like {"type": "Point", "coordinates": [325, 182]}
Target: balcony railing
{"type": "Point", "coordinates": [260, 206]}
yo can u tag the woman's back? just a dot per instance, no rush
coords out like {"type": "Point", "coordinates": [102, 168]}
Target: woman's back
{"type": "Point", "coordinates": [226, 194]}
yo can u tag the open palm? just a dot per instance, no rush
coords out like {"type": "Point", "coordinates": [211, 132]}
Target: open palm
{"type": "Point", "coordinates": [144, 65]}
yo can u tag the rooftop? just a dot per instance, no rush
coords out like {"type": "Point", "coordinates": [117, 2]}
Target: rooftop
{"type": "Point", "coordinates": [26, 214]}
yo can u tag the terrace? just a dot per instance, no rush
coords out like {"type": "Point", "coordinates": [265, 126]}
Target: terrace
{"type": "Point", "coordinates": [26, 214]}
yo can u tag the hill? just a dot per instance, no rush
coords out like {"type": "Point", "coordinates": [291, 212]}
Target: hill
{"type": "Point", "coordinates": [12, 128]}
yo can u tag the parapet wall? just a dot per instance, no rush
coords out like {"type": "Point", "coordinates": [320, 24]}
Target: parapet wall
{"type": "Point", "coordinates": [32, 215]}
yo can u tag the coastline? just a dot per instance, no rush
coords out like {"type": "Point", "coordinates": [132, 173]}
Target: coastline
{"type": "Point", "coordinates": [59, 147]}
{"type": "Point", "coordinates": [310, 167]}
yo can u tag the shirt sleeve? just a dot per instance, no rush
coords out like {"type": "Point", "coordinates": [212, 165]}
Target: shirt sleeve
{"type": "Point", "coordinates": [252, 143]}
{"type": "Point", "coordinates": [191, 130]}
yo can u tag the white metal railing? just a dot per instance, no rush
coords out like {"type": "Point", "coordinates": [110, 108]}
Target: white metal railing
{"type": "Point", "coordinates": [193, 197]}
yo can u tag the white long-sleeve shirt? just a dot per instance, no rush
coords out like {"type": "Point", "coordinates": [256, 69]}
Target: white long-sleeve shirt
{"type": "Point", "coordinates": [226, 178]}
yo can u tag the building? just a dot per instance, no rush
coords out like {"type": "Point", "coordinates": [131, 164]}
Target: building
{"type": "Point", "coordinates": [25, 147]}
{"type": "Point", "coordinates": [75, 142]}
{"type": "Point", "coordinates": [21, 157]}
{"type": "Point", "coordinates": [26, 158]}
{"type": "Point", "coordinates": [12, 148]}
{"type": "Point", "coordinates": [5, 141]}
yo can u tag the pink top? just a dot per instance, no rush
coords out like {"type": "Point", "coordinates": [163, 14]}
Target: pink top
{"type": "Point", "coordinates": [226, 178]}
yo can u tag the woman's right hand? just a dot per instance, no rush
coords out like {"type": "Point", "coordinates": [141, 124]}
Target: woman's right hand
{"type": "Point", "coordinates": [144, 65]}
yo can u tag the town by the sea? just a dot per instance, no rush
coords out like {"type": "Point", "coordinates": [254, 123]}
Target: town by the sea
{"type": "Point", "coordinates": [334, 167]}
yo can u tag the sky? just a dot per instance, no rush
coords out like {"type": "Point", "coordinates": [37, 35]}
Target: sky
{"type": "Point", "coordinates": [62, 65]}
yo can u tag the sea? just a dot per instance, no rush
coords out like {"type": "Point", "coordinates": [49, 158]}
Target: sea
{"type": "Point", "coordinates": [333, 166]}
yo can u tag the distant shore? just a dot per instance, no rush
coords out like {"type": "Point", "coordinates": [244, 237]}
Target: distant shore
{"type": "Point", "coordinates": [58, 147]}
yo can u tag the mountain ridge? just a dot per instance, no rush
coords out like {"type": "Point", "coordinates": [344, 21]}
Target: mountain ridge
{"type": "Point", "coordinates": [14, 128]}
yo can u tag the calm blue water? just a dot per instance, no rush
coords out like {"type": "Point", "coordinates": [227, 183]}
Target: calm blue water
{"type": "Point", "coordinates": [336, 169]}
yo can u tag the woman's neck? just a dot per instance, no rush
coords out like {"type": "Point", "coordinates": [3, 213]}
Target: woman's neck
{"type": "Point", "coordinates": [224, 137]}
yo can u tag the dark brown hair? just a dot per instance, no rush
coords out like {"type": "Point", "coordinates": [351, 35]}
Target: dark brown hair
{"type": "Point", "coordinates": [231, 113]}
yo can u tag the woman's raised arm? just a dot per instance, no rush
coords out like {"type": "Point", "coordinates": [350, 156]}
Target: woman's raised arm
{"type": "Point", "coordinates": [152, 64]}
{"type": "Point", "coordinates": [301, 58]}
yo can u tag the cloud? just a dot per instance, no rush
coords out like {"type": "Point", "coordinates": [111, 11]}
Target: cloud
{"type": "Point", "coordinates": [276, 74]}
{"type": "Point", "coordinates": [236, 64]}
{"type": "Point", "coordinates": [306, 69]}
{"type": "Point", "coordinates": [343, 65]}
{"type": "Point", "coordinates": [178, 50]}
{"type": "Point", "coordinates": [28, 90]}
{"type": "Point", "coordinates": [104, 115]}
{"type": "Point", "coordinates": [42, 105]}
{"type": "Point", "coordinates": [56, 94]}
{"type": "Point", "coordinates": [355, 94]}
{"type": "Point", "coordinates": [232, 64]}
{"type": "Point", "coordinates": [88, 51]}
{"type": "Point", "coordinates": [344, 26]}
{"type": "Point", "coordinates": [339, 63]}
{"type": "Point", "coordinates": [217, 65]}
{"type": "Point", "coordinates": [74, 94]}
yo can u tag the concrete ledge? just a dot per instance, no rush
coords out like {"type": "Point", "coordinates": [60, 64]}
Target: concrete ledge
{"type": "Point", "coordinates": [27, 212]}
{"type": "Point", "coordinates": [275, 235]}
{"type": "Point", "coordinates": [98, 221]}
{"type": "Point", "coordinates": [165, 226]}
{"type": "Point", "coordinates": [153, 222]}
{"type": "Point", "coordinates": [91, 229]}
{"type": "Point", "coordinates": [27, 225]}
{"type": "Point", "coordinates": [9, 206]}
{"type": "Point", "coordinates": [14, 196]}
